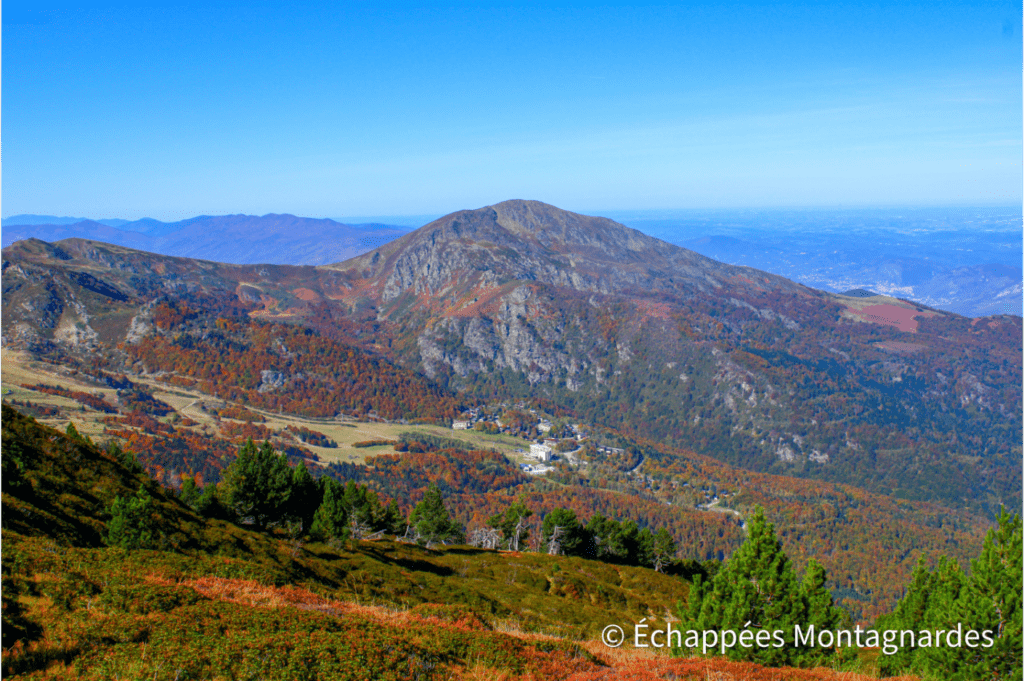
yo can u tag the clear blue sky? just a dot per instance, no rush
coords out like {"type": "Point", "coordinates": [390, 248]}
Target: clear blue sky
{"type": "Point", "coordinates": [115, 109]}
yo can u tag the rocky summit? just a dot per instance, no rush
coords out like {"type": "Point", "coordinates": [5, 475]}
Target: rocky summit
{"type": "Point", "coordinates": [536, 242]}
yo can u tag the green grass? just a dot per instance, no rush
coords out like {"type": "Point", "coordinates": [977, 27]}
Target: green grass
{"type": "Point", "coordinates": [72, 604]}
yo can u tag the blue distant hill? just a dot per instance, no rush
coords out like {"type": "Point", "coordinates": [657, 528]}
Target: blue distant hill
{"type": "Point", "coordinates": [238, 239]}
{"type": "Point", "coordinates": [965, 260]}
{"type": "Point", "coordinates": [53, 220]}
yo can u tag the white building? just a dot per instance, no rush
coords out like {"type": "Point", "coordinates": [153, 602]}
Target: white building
{"type": "Point", "coordinates": [460, 425]}
{"type": "Point", "coordinates": [540, 452]}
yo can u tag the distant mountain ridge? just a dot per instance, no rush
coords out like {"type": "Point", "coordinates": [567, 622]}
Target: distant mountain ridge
{"type": "Point", "coordinates": [32, 219]}
{"type": "Point", "coordinates": [238, 239]}
{"type": "Point", "coordinates": [974, 271]}
{"type": "Point", "coordinates": [958, 263]}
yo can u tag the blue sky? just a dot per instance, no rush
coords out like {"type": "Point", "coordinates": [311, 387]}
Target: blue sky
{"type": "Point", "coordinates": [115, 109]}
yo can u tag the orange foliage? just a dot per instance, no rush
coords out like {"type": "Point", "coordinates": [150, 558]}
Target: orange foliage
{"type": "Point", "coordinates": [312, 375]}
{"type": "Point", "coordinates": [620, 664]}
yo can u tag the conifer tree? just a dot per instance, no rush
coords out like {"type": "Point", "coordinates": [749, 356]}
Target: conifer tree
{"type": "Point", "coordinates": [926, 604]}
{"type": "Point", "coordinates": [126, 459]}
{"type": "Point", "coordinates": [72, 432]}
{"type": "Point", "coordinates": [645, 548]}
{"type": "Point", "coordinates": [258, 484]}
{"type": "Point", "coordinates": [303, 498]}
{"type": "Point", "coordinates": [562, 534]}
{"type": "Point", "coordinates": [758, 589]}
{"type": "Point", "coordinates": [663, 550]}
{"type": "Point", "coordinates": [821, 610]}
{"type": "Point", "coordinates": [393, 520]}
{"type": "Point", "coordinates": [331, 518]}
{"type": "Point", "coordinates": [211, 505]}
{"type": "Point", "coordinates": [633, 542]}
{"type": "Point", "coordinates": [607, 537]}
{"type": "Point", "coordinates": [946, 600]}
{"type": "Point", "coordinates": [364, 512]}
{"type": "Point", "coordinates": [13, 457]}
{"type": "Point", "coordinates": [432, 522]}
{"type": "Point", "coordinates": [131, 522]}
{"type": "Point", "coordinates": [991, 600]}
{"type": "Point", "coordinates": [190, 492]}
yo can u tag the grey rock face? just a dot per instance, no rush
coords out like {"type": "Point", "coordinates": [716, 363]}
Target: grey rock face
{"type": "Point", "coordinates": [529, 241]}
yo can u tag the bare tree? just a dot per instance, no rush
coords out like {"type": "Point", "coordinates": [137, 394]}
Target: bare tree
{"type": "Point", "coordinates": [485, 538]}
{"type": "Point", "coordinates": [555, 542]}
{"type": "Point", "coordinates": [359, 528]}
{"type": "Point", "coordinates": [519, 532]}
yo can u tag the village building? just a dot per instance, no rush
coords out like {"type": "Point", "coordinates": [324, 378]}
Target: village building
{"type": "Point", "coordinates": [540, 452]}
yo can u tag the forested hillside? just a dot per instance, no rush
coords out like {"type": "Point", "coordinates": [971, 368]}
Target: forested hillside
{"type": "Point", "coordinates": [523, 300]}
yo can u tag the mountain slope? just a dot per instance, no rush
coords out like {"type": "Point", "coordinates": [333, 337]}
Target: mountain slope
{"type": "Point", "coordinates": [227, 602]}
{"type": "Point", "coordinates": [523, 299]}
{"type": "Point", "coordinates": [535, 242]}
{"type": "Point", "coordinates": [214, 592]}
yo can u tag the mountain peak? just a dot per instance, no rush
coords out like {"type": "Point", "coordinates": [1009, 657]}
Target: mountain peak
{"type": "Point", "coordinates": [535, 242]}
{"type": "Point", "coordinates": [551, 227]}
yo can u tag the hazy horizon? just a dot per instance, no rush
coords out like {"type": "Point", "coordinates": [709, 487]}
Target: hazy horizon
{"type": "Point", "coordinates": [618, 214]}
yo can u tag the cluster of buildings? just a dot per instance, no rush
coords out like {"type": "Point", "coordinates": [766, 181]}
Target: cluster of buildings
{"type": "Point", "coordinates": [542, 452]}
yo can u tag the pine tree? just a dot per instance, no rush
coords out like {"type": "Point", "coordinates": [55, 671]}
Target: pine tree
{"type": "Point", "coordinates": [562, 534]}
{"type": "Point", "coordinates": [13, 457]}
{"type": "Point", "coordinates": [72, 432]}
{"type": "Point", "coordinates": [211, 505]}
{"type": "Point", "coordinates": [394, 521]}
{"type": "Point", "coordinates": [331, 518]}
{"type": "Point", "coordinates": [663, 551]}
{"type": "Point", "coordinates": [758, 589]}
{"type": "Point", "coordinates": [607, 537]}
{"type": "Point", "coordinates": [131, 522]}
{"type": "Point", "coordinates": [304, 497]}
{"type": "Point", "coordinates": [190, 492]}
{"type": "Point", "coordinates": [258, 484]}
{"type": "Point", "coordinates": [432, 522]}
{"type": "Point", "coordinates": [632, 541]}
{"type": "Point", "coordinates": [126, 459]}
{"type": "Point", "coordinates": [364, 511]}
{"type": "Point", "coordinates": [927, 604]}
{"type": "Point", "coordinates": [992, 600]}
{"type": "Point", "coordinates": [945, 599]}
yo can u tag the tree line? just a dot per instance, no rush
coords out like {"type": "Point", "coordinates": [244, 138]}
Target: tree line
{"type": "Point", "coordinates": [260, 488]}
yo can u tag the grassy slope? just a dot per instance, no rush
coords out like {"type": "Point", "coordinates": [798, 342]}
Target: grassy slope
{"type": "Point", "coordinates": [222, 602]}
{"type": "Point", "coordinates": [83, 595]}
